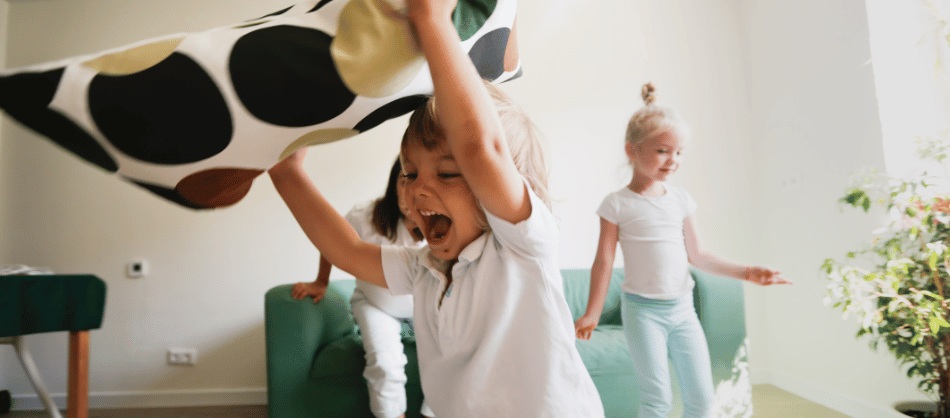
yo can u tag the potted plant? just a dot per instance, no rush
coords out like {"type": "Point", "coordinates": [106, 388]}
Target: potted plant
{"type": "Point", "coordinates": [897, 287]}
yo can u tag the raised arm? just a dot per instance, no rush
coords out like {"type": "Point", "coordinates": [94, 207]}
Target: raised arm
{"type": "Point", "coordinates": [467, 114]}
{"type": "Point", "coordinates": [327, 230]}
{"type": "Point", "coordinates": [710, 263]}
{"type": "Point", "coordinates": [599, 279]}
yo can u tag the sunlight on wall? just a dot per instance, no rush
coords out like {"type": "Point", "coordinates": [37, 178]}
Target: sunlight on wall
{"type": "Point", "coordinates": [910, 57]}
{"type": "Point", "coordinates": [734, 396]}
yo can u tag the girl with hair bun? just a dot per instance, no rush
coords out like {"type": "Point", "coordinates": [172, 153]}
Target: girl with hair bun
{"type": "Point", "coordinates": [653, 222]}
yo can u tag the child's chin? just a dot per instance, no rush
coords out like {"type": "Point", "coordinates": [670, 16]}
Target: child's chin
{"type": "Point", "coordinates": [444, 254]}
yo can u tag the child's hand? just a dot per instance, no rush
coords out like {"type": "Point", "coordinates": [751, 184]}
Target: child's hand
{"type": "Point", "coordinates": [763, 276]}
{"type": "Point", "coordinates": [584, 326]}
{"type": "Point", "coordinates": [313, 289]}
{"type": "Point", "coordinates": [293, 163]}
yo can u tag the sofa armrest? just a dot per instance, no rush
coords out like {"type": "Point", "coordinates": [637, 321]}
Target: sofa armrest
{"type": "Point", "coordinates": [295, 331]}
{"type": "Point", "coordinates": [720, 304]}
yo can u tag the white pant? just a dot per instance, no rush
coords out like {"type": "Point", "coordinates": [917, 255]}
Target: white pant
{"type": "Point", "coordinates": [385, 371]}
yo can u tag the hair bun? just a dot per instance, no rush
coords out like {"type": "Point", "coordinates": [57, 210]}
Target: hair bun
{"type": "Point", "coordinates": [647, 93]}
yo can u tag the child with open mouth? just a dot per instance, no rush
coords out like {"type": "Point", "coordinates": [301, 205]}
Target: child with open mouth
{"type": "Point", "coordinates": [494, 333]}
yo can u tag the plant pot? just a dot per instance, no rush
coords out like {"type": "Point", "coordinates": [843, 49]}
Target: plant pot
{"type": "Point", "coordinates": [916, 409]}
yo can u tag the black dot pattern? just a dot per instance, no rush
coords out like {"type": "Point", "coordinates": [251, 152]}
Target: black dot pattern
{"type": "Point", "coordinates": [488, 53]}
{"type": "Point", "coordinates": [277, 13]}
{"type": "Point", "coordinates": [284, 75]}
{"type": "Point", "coordinates": [249, 25]}
{"type": "Point", "coordinates": [319, 5]}
{"type": "Point", "coordinates": [170, 113]}
{"type": "Point", "coordinates": [26, 98]}
{"type": "Point", "coordinates": [390, 110]}
{"type": "Point", "coordinates": [518, 74]}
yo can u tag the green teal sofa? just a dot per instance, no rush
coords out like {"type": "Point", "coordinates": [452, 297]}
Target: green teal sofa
{"type": "Point", "coordinates": [315, 355]}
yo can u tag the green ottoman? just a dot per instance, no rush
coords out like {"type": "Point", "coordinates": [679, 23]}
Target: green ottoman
{"type": "Point", "coordinates": [35, 304]}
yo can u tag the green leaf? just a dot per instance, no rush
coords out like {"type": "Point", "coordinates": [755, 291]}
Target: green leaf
{"type": "Point", "coordinates": [934, 325]}
{"type": "Point", "coordinates": [932, 261]}
{"type": "Point", "coordinates": [866, 203]}
{"type": "Point", "coordinates": [854, 197]}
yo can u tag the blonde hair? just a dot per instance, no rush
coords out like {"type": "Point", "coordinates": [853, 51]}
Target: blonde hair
{"type": "Point", "coordinates": [524, 138]}
{"type": "Point", "coordinates": [652, 119]}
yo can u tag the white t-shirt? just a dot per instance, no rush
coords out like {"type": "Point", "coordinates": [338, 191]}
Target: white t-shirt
{"type": "Point", "coordinates": [502, 343]}
{"type": "Point", "coordinates": [651, 238]}
{"type": "Point", "coordinates": [361, 218]}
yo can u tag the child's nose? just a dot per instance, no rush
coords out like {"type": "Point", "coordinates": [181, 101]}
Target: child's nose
{"type": "Point", "coordinates": [420, 188]}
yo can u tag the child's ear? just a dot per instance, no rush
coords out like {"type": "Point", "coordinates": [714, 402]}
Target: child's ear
{"type": "Point", "coordinates": [631, 150]}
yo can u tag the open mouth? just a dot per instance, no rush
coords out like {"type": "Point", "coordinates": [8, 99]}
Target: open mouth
{"type": "Point", "coordinates": [436, 226]}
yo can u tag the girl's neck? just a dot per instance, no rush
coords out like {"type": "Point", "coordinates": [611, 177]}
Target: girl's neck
{"type": "Point", "coordinates": [646, 187]}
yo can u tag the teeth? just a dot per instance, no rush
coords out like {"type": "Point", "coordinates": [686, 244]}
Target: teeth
{"type": "Point", "coordinates": [428, 213]}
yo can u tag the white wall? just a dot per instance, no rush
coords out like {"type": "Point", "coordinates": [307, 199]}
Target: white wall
{"type": "Point", "coordinates": [209, 270]}
{"type": "Point", "coordinates": [766, 98]}
{"type": "Point", "coordinates": [583, 67]}
{"type": "Point", "coordinates": [814, 115]}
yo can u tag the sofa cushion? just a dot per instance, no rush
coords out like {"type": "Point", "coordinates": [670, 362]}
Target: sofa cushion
{"type": "Point", "coordinates": [577, 291]}
{"type": "Point", "coordinates": [343, 360]}
{"type": "Point", "coordinates": [606, 353]}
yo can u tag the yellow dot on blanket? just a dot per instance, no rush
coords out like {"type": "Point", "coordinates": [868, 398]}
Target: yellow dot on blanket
{"type": "Point", "coordinates": [135, 59]}
{"type": "Point", "coordinates": [322, 136]}
{"type": "Point", "coordinates": [374, 49]}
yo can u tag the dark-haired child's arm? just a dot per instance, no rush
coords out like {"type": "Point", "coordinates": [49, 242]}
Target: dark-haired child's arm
{"type": "Point", "coordinates": [599, 279]}
{"type": "Point", "coordinates": [317, 288]}
{"type": "Point", "coordinates": [710, 263]}
{"type": "Point", "coordinates": [328, 231]}
{"type": "Point", "coordinates": [468, 116]}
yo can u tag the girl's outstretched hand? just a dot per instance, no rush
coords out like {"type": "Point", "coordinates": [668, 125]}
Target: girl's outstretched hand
{"type": "Point", "coordinates": [584, 326]}
{"type": "Point", "coordinates": [763, 276]}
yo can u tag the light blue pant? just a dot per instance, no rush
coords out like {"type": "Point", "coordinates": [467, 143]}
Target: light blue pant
{"type": "Point", "coordinates": [664, 331]}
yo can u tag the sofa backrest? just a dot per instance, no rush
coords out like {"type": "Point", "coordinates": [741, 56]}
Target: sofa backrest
{"type": "Point", "coordinates": [577, 291]}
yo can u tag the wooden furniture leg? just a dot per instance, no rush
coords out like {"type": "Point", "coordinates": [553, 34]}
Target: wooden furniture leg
{"type": "Point", "coordinates": [77, 401]}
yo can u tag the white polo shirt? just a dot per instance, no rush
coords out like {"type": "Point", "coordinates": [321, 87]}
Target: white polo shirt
{"type": "Point", "coordinates": [502, 344]}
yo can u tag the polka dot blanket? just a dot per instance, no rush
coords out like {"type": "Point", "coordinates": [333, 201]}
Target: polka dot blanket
{"type": "Point", "coordinates": [196, 117]}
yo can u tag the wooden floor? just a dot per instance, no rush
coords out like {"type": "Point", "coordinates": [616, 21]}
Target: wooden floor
{"type": "Point", "coordinates": [768, 402]}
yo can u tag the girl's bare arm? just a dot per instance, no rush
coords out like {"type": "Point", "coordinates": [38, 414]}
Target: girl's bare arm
{"type": "Point", "coordinates": [710, 263]}
{"type": "Point", "coordinates": [469, 118]}
{"type": "Point", "coordinates": [330, 233]}
{"type": "Point", "coordinates": [599, 279]}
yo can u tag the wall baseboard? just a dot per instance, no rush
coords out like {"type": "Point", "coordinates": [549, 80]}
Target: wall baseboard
{"type": "Point", "coordinates": [760, 377]}
{"type": "Point", "coordinates": [833, 399]}
{"type": "Point", "coordinates": [154, 399]}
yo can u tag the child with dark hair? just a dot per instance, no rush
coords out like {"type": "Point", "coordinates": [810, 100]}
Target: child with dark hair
{"type": "Point", "coordinates": [378, 312]}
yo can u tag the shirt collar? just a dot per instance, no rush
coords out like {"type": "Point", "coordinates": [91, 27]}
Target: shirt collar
{"type": "Point", "coordinates": [471, 252]}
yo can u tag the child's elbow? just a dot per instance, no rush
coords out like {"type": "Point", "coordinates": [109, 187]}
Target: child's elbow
{"type": "Point", "coordinates": [480, 144]}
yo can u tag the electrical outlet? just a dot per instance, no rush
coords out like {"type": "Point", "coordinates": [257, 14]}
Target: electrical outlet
{"type": "Point", "coordinates": [182, 356]}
